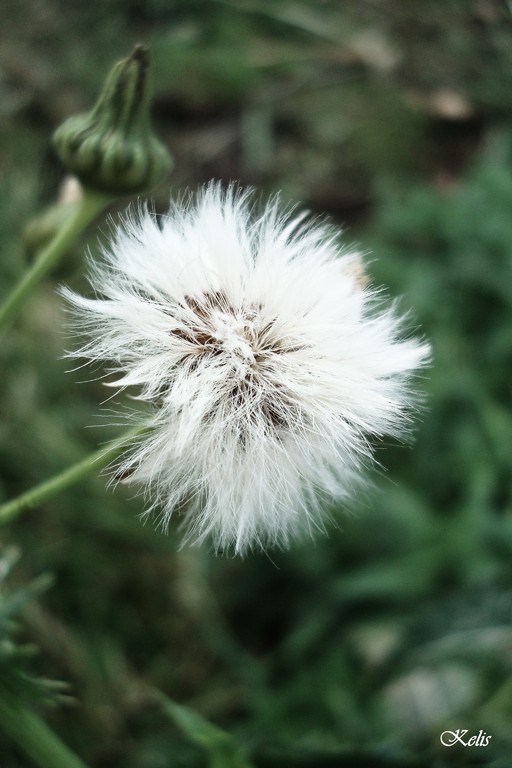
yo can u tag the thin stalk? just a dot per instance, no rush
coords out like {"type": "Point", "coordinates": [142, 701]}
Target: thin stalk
{"type": "Point", "coordinates": [50, 488]}
{"type": "Point", "coordinates": [34, 737]}
{"type": "Point", "coordinates": [89, 206]}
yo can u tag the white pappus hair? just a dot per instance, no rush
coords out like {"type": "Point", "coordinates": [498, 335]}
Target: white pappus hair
{"type": "Point", "coordinates": [269, 365]}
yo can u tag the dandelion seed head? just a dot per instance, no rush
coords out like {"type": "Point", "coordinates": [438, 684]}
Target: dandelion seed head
{"type": "Point", "coordinates": [269, 364]}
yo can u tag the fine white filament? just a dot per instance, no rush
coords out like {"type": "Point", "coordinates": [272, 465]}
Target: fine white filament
{"type": "Point", "coordinates": [269, 365]}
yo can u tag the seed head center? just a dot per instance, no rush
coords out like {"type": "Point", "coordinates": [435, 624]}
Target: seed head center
{"type": "Point", "coordinates": [236, 337]}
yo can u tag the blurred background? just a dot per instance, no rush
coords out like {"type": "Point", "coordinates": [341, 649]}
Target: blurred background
{"type": "Point", "coordinates": [361, 648]}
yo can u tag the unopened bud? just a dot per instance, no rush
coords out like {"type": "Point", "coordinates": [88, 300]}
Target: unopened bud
{"type": "Point", "coordinates": [112, 148]}
{"type": "Point", "coordinates": [42, 229]}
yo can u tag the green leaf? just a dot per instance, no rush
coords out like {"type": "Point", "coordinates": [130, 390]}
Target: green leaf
{"type": "Point", "coordinates": [220, 747]}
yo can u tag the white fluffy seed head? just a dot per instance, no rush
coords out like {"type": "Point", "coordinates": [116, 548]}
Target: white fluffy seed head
{"type": "Point", "coordinates": [268, 363]}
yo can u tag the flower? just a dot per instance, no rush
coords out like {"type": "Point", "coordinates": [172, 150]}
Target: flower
{"type": "Point", "coordinates": [269, 365]}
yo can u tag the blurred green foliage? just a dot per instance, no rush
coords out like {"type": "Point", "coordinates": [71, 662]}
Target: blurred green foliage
{"type": "Point", "coordinates": [358, 649]}
{"type": "Point", "coordinates": [14, 678]}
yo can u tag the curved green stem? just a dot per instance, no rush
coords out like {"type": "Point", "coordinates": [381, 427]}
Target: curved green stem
{"type": "Point", "coordinates": [50, 488]}
{"type": "Point", "coordinates": [34, 737]}
{"type": "Point", "coordinates": [90, 205]}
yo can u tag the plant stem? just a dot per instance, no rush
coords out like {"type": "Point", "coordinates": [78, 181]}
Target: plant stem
{"type": "Point", "coordinates": [88, 207]}
{"type": "Point", "coordinates": [50, 488]}
{"type": "Point", "coordinates": [34, 737]}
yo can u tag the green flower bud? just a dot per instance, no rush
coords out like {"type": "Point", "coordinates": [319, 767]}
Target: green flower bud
{"type": "Point", "coordinates": [112, 148]}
